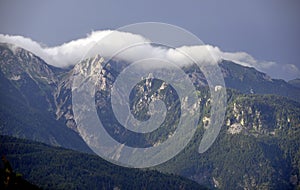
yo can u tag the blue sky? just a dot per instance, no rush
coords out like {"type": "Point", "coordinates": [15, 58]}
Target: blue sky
{"type": "Point", "coordinates": [267, 30]}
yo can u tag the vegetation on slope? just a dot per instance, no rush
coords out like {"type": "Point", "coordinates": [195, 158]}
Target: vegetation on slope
{"type": "Point", "coordinates": [58, 168]}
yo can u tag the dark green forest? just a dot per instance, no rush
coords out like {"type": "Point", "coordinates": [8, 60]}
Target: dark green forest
{"type": "Point", "coordinates": [57, 168]}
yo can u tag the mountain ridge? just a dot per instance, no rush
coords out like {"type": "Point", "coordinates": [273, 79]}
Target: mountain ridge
{"type": "Point", "coordinates": [27, 104]}
{"type": "Point", "coordinates": [269, 123]}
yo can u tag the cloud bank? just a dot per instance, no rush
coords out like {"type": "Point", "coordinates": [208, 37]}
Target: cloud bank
{"type": "Point", "coordinates": [108, 42]}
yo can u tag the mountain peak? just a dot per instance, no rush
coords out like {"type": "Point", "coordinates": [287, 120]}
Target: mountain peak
{"type": "Point", "coordinates": [17, 62]}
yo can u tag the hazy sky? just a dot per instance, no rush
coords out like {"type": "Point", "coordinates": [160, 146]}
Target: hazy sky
{"type": "Point", "coordinates": [267, 30]}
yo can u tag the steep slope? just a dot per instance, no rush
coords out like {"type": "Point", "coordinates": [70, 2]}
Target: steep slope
{"type": "Point", "coordinates": [257, 148]}
{"type": "Point", "coordinates": [58, 168]}
{"type": "Point", "coordinates": [27, 107]}
{"type": "Point", "coordinates": [250, 81]}
{"type": "Point", "coordinates": [243, 79]}
{"type": "Point", "coordinates": [295, 83]}
{"type": "Point", "coordinates": [63, 92]}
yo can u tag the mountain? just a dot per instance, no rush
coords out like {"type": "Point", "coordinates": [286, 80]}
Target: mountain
{"type": "Point", "coordinates": [250, 81]}
{"type": "Point", "coordinates": [295, 83]}
{"type": "Point", "coordinates": [257, 148]}
{"type": "Point", "coordinates": [27, 104]}
{"type": "Point", "coordinates": [58, 168]}
{"type": "Point", "coordinates": [260, 131]}
{"type": "Point", "coordinates": [245, 80]}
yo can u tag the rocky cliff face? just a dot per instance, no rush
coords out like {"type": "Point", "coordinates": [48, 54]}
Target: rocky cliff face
{"type": "Point", "coordinates": [30, 74]}
{"type": "Point", "coordinates": [28, 105]}
{"type": "Point", "coordinates": [258, 130]}
{"type": "Point", "coordinates": [258, 146]}
{"type": "Point", "coordinates": [260, 116]}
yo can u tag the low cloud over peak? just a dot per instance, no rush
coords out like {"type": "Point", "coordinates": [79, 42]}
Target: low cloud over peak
{"type": "Point", "coordinates": [108, 42]}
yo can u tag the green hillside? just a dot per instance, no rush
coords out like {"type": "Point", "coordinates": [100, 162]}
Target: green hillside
{"type": "Point", "coordinates": [57, 168]}
{"type": "Point", "coordinates": [258, 147]}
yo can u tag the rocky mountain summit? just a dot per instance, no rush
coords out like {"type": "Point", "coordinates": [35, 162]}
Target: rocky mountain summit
{"type": "Point", "coordinates": [257, 148]}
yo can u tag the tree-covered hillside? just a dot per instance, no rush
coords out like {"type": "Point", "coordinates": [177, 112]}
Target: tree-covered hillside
{"type": "Point", "coordinates": [57, 168]}
{"type": "Point", "coordinates": [258, 147]}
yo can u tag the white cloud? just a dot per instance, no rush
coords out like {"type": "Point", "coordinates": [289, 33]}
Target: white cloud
{"type": "Point", "coordinates": [108, 42]}
{"type": "Point", "coordinates": [273, 69]}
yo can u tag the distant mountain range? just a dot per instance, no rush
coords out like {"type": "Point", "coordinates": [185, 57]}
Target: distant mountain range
{"type": "Point", "coordinates": [258, 147]}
